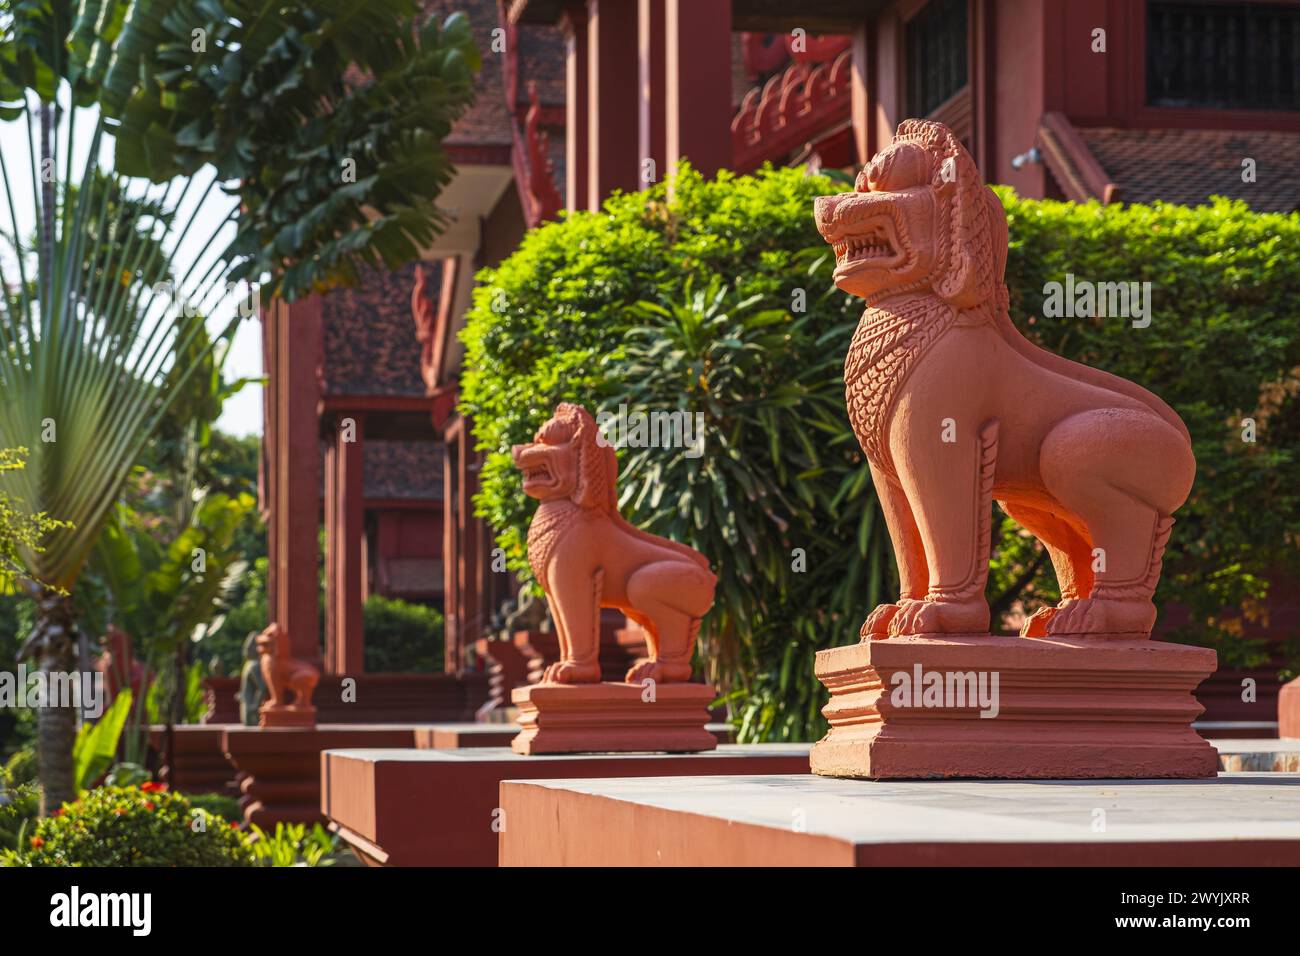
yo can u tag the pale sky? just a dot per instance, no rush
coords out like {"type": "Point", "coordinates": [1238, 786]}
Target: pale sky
{"type": "Point", "coordinates": [242, 414]}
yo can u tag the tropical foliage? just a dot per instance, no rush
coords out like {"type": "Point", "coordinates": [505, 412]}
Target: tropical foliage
{"type": "Point", "coordinates": [305, 138]}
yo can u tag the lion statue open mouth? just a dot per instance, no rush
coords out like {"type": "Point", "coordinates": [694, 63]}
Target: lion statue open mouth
{"type": "Point", "coordinates": [586, 556]}
{"type": "Point", "coordinates": [955, 408]}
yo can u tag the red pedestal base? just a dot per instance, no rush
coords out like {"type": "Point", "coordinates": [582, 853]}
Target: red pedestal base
{"type": "Point", "coordinates": [286, 716]}
{"type": "Point", "coordinates": [443, 807]}
{"type": "Point", "coordinates": [279, 767]}
{"type": "Point", "coordinates": [907, 708]}
{"type": "Point", "coordinates": [613, 718]}
{"type": "Point", "coordinates": [199, 763]}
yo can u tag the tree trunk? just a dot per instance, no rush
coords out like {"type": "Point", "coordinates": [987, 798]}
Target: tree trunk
{"type": "Point", "coordinates": [54, 648]}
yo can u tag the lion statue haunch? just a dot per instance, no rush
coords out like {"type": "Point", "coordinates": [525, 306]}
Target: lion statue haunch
{"type": "Point", "coordinates": [955, 408]}
{"type": "Point", "coordinates": [283, 673]}
{"type": "Point", "coordinates": [586, 556]}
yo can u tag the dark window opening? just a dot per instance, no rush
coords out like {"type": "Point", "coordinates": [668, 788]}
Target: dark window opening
{"type": "Point", "coordinates": [936, 56]}
{"type": "Point", "coordinates": [1212, 55]}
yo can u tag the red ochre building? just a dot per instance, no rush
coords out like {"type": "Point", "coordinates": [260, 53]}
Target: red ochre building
{"type": "Point", "coordinates": [362, 437]}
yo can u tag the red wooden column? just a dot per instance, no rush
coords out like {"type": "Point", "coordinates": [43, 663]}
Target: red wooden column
{"type": "Point", "coordinates": [651, 109]}
{"type": "Point", "coordinates": [331, 517]}
{"type": "Point", "coordinates": [461, 551]}
{"type": "Point", "coordinates": [268, 463]}
{"type": "Point", "coordinates": [297, 488]}
{"type": "Point", "coordinates": [697, 61]}
{"type": "Point", "coordinates": [345, 548]}
{"type": "Point", "coordinates": [862, 93]}
{"type": "Point", "coordinates": [573, 22]}
{"type": "Point", "coordinates": [613, 160]}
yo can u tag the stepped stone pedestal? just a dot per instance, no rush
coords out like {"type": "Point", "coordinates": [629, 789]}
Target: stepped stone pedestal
{"type": "Point", "coordinates": [613, 718]}
{"type": "Point", "coordinates": [1013, 707]}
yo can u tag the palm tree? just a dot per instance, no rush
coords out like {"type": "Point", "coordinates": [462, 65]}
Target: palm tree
{"type": "Point", "coordinates": [237, 123]}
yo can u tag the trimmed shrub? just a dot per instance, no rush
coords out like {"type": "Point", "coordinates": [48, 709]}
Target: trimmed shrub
{"type": "Point", "coordinates": [401, 637]}
{"type": "Point", "coordinates": [1222, 347]}
{"type": "Point", "coordinates": [132, 826]}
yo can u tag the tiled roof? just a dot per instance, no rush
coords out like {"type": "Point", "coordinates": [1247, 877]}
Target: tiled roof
{"type": "Point", "coordinates": [402, 469]}
{"type": "Point", "coordinates": [541, 60]}
{"type": "Point", "coordinates": [369, 342]}
{"type": "Point", "coordinates": [1187, 166]}
{"type": "Point", "coordinates": [487, 122]}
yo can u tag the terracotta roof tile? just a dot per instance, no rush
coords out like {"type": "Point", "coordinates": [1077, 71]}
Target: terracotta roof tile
{"type": "Point", "coordinates": [487, 122]}
{"type": "Point", "coordinates": [402, 469]}
{"type": "Point", "coordinates": [1187, 166]}
{"type": "Point", "coordinates": [369, 345]}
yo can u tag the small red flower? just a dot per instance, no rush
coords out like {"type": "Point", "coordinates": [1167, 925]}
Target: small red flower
{"type": "Point", "coordinates": [148, 805]}
{"type": "Point", "coordinates": [57, 813]}
{"type": "Point", "coordinates": [234, 826]}
{"type": "Point", "coordinates": [37, 843]}
{"type": "Point", "coordinates": [152, 787]}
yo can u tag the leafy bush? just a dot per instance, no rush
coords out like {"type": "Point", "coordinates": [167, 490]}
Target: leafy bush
{"type": "Point", "coordinates": [217, 804]}
{"type": "Point", "coordinates": [293, 844]}
{"type": "Point", "coordinates": [19, 806]}
{"type": "Point", "coordinates": [132, 826]}
{"type": "Point", "coordinates": [1223, 346]}
{"type": "Point", "coordinates": [718, 299]}
{"type": "Point", "coordinates": [402, 637]}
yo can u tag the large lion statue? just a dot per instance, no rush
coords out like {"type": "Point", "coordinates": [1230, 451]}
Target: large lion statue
{"type": "Point", "coordinates": [586, 556]}
{"type": "Point", "coordinates": [955, 408]}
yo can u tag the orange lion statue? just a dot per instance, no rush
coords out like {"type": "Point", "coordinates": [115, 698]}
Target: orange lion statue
{"type": "Point", "coordinates": [586, 556]}
{"type": "Point", "coordinates": [284, 673]}
{"type": "Point", "coordinates": [955, 409]}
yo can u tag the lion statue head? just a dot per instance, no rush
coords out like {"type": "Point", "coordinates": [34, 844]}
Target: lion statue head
{"type": "Point", "coordinates": [272, 639]}
{"type": "Point", "coordinates": [918, 219]}
{"type": "Point", "coordinates": [566, 460]}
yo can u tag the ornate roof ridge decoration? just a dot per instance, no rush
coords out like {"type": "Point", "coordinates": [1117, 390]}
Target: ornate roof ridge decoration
{"type": "Point", "coordinates": [529, 152]}
{"type": "Point", "coordinates": [792, 108]}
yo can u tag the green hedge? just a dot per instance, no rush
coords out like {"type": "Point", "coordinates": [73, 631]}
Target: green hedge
{"type": "Point", "coordinates": [1223, 346]}
{"type": "Point", "coordinates": [402, 637]}
{"type": "Point", "coordinates": [717, 299]}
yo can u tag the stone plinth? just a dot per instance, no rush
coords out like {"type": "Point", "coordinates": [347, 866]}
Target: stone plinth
{"type": "Point", "coordinates": [440, 807]}
{"type": "Point", "coordinates": [280, 766]}
{"type": "Point", "coordinates": [199, 763]}
{"type": "Point", "coordinates": [1234, 820]}
{"type": "Point", "coordinates": [1265, 756]}
{"type": "Point", "coordinates": [613, 718]}
{"type": "Point", "coordinates": [469, 735]}
{"type": "Point", "coordinates": [1059, 708]}
{"type": "Point", "coordinates": [1288, 710]}
{"type": "Point", "coordinates": [453, 736]}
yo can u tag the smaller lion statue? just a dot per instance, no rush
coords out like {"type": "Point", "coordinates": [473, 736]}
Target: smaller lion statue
{"type": "Point", "coordinates": [283, 673]}
{"type": "Point", "coordinates": [586, 557]}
